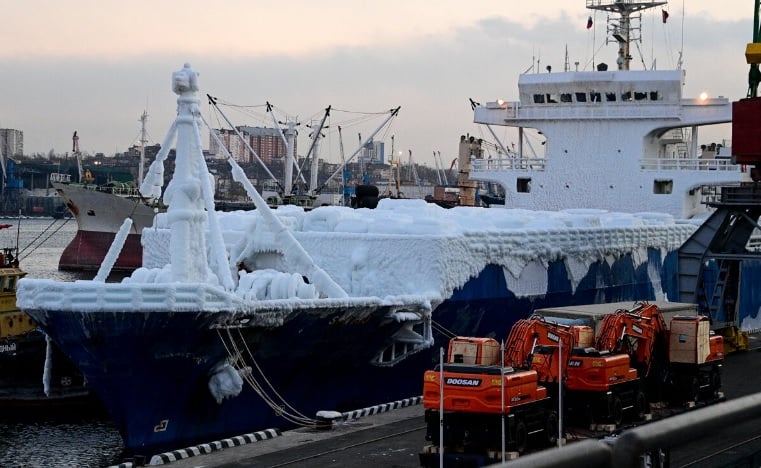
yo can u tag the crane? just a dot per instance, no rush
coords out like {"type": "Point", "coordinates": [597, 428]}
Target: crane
{"type": "Point", "coordinates": [710, 260]}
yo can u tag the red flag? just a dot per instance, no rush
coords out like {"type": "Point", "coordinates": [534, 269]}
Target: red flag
{"type": "Point", "coordinates": [589, 23]}
{"type": "Point", "coordinates": [665, 15]}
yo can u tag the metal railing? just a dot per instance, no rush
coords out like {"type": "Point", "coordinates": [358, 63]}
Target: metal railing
{"type": "Point", "coordinates": [627, 450]}
{"type": "Point", "coordinates": [646, 164]}
{"type": "Point", "coordinates": [688, 164]}
{"type": "Point", "coordinates": [509, 164]}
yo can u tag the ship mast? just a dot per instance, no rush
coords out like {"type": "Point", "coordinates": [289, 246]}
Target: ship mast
{"type": "Point", "coordinates": [622, 31]}
{"type": "Point", "coordinates": [143, 142]}
{"type": "Point", "coordinates": [78, 155]}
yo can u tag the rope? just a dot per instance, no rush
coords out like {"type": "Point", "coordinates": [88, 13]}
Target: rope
{"type": "Point", "coordinates": [238, 362]}
{"type": "Point", "coordinates": [440, 328]}
{"type": "Point", "coordinates": [44, 240]}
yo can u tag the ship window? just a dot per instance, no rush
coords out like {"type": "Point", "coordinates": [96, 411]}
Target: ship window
{"type": "Point", "coordinates": [639, 96]}
{"type": "Point", "coordinates": [581, 97]}
{"type": "Point", "coordinates": [663, 187]}
{"type": "Point", "coordinates": [595, 97]}
{"type": "Point", "coordinates": [566, 97]}
{"type": "Point", "coordinates": [552, 98]}
{"type": "Point", "coordinates": [538, 98]}
{"type": "Point", "coordinates": [610, 97]}
{"type": "Point", "coordinates": [523, 185]}
{"type": "Point", "coordinates": [655, 96]}
{"type": "Point", "coordinates": [627, 96]}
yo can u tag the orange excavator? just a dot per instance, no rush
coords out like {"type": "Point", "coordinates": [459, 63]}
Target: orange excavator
{"type": "Point", "coordinates": [481, 396]}
{"type": "Point", "coordinates": [679, 363]}
{"type": "Point", "coordinates": [477, 392]}
{"type": "Point", "coordinates": [598, 386]}
{"type": "Point", "coordinates": [480, 388]}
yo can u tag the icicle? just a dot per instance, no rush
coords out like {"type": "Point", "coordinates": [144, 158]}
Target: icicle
{"type": "Point", "coordinates": [114, 251]}
{"type": "Point", "coordinates": [218, 255]}
{"type": "Point", "coordinates": [154, 180]}
{"type": "Point", "coordinates": [48, 367]}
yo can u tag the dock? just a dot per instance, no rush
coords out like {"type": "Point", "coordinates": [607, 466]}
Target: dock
{"type": "Point", "coordinates": [397, 436]}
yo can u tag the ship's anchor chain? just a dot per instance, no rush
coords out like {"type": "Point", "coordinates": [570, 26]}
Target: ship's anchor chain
{"type": "Point", "coordinates": [261, 384]}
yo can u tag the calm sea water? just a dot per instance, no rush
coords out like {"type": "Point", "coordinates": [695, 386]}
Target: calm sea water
{"type": "Point", "coordinates": [52, 438]}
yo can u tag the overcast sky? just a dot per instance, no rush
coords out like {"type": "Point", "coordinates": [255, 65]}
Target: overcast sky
{"type": "Point", "coordinates": [94, 65]}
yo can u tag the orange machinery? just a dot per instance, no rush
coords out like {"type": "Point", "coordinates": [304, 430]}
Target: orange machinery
{"type": "Point", "coordinates": [681, 363]}
{"type": "Point", "coordinates": [598, 386]}
{"type": "Point", "coordinates": [479, 396]}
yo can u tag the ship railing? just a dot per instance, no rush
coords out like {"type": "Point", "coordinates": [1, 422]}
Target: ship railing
{"type": "Point", "coordinates": [58, 177]}
{"type": "Point", "coordinates": [508, 164]}
{"type": "Point", "coordinates": [688, 164]}
{"type": "Point", "coordinates": [120, 191]}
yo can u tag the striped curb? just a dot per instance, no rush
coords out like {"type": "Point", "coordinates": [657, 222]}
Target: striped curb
{"type": "Point", "coordinates": [371, 410]}
{"type": "Point", "coordinates": [205, 449]}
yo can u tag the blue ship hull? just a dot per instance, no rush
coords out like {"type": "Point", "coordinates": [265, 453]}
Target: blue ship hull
{"type": "Point", "coordinates": [151, 370]}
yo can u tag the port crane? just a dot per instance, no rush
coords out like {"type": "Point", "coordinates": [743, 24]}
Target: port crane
{"type": "Point", "coordinates": [711, 262]}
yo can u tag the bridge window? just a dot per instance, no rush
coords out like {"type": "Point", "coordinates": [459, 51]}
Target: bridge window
{"type": "Point", "coordinates": [663, 187]}
{"type": "Point", "coordinates": [610, 97]}
{"type": "Point", "coordinates": [655, 96]}
{"type": "Point", "coordinates": [581, 97]}
{"type": "Point", "coordinates": [523, 185]}
{"type": "Point", "coordinates": [552, 98]}
{"type": "Point", "coordinates": [595, 97]}
{"type": "Point", "coordinates": [566, 97]}
{"type": "Point", "coordinates": [627, 96]}
{"type": "Point", "coordinates": [538, 98]}
{"type": "Point", "coordinates": [639, 96]}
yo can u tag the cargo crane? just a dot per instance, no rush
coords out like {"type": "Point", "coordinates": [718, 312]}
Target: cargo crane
{"type": "Point", "coordinates": [716, 262]}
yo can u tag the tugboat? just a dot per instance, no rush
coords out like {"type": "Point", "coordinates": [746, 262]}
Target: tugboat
{"type": "Point", "coordinates": [34, 373]}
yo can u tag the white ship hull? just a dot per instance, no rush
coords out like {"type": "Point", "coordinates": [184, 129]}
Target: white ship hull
{"type": "Point", "coordinates": [99, 216]}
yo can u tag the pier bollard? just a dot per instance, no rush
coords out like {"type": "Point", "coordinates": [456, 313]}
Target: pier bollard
{"type": "Point", "coordinates": [325, 420]}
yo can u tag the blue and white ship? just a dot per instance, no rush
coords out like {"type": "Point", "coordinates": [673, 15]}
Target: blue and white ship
{"type": "Point", "coordinates": [242, 321]}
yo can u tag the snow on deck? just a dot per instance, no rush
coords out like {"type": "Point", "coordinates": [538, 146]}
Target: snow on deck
{"type": "Point", "coordinates": [410, 247]}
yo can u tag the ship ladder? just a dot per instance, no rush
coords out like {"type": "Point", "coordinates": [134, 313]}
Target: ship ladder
{"type": "Point", "coordinates": [260, 383]}
{"type": "Point", "coordinates": [717, 297]}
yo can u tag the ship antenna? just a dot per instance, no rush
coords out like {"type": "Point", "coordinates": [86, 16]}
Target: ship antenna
{"type": "Point", "coordinates": [143, 142]}
{"type": "Point", "coordinates": [681, 46]}
{"type": "Point", "coordinates": [567, 64]}
{"type": "Point", "coordinates": [621, 30]}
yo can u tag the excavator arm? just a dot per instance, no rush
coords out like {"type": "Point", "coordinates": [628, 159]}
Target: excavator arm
{"type": "Point", "coordinates": [534, 342]}
{"type": "Point", "coordinates": [640, 333]}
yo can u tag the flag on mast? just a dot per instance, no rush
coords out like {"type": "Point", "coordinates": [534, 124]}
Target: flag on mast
{"type": "Point", "coordinates": [589, 22]}
{"type": "Point", "coordinates": [665, 15]}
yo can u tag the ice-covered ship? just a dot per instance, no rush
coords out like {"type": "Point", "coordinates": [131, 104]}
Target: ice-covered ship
{"type": "Point", "coordinates": [613, 139]}
{"type": "Point", "coordinates": [247, 320]}
{"type": "Point", "coordinates": [164, 348]}
{"type": "Point", "coordinates": [231, 326]}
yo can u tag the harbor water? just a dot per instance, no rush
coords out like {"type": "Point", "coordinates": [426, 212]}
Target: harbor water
{"type": "Point", "coordinates": [81, 437]}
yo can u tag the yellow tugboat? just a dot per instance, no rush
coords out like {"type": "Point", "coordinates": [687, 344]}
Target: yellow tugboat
{"type": "Point", "coordinates": [33, 371]}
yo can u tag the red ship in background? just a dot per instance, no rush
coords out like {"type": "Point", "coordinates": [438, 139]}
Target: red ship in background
{"type": "Point", "coordinates": [100, 210]}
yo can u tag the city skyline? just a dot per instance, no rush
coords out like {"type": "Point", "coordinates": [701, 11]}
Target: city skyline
{"type": "Point", "coordinates": [94, 66]}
